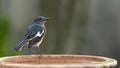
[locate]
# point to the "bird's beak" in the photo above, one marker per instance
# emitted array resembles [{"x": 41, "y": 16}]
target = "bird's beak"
[{"x": 46, "y": 18}]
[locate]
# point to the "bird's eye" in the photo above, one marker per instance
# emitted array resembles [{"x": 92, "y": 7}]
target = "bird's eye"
[{"x": 39, "y": 19}]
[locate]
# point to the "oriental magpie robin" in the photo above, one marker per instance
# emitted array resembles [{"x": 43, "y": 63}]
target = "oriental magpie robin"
[{"x": 34, "y": 34}]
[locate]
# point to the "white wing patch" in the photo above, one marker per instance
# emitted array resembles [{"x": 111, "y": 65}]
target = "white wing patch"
[{"x": 39, "y": 34}]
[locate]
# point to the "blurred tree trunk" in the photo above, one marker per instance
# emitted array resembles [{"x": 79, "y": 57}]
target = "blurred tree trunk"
[
  {"x": 76, "y": 39},
  {"x": 62, "y": 26}
]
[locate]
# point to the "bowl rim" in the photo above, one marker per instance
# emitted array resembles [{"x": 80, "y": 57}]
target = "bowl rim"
[{"x": 109, "y": 62}]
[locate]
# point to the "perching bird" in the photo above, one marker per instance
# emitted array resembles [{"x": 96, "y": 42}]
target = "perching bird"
[{"x": 34, "y": 34}]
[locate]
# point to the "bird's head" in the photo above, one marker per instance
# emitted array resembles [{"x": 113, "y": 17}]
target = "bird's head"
[{"x": 40, "y": 19}]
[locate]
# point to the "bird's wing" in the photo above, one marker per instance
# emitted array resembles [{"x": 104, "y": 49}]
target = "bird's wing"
[
  {"x": 37, "y": 39},
  {"x": 34, "y": 31}
]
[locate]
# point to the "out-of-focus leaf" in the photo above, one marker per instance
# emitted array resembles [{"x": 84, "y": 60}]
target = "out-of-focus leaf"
[{"x": 4, "y": 35}]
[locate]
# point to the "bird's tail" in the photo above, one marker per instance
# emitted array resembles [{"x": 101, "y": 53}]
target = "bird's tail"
[{"x": 21, "y": 45}]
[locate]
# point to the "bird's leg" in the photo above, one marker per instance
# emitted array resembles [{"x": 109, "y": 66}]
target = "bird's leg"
[
  {"x": 40, "y": 51},
  {"x": 31, "y": 51}
]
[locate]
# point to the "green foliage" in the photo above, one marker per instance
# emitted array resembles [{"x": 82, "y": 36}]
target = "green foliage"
[{"x": 4, "y": 35}]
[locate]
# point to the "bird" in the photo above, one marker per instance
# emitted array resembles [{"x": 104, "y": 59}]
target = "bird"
[{"x": 35, "y": 34}]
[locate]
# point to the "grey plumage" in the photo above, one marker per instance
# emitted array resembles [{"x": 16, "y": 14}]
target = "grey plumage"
[{"x": 34, "y": 34}]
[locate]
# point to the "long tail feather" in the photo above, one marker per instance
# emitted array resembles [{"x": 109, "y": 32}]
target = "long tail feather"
[{"x": 21, "y": 45}]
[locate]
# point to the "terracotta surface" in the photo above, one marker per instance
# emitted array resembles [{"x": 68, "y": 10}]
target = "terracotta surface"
[{"x": 37, "y": 61}]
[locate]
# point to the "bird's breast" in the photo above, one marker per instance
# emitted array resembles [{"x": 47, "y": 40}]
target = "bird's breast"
[{"x": 38, "y": 43}]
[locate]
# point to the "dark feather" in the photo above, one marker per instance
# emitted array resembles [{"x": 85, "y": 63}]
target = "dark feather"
[
  {"x": 36, "y": 39},
  {"x": 21, "y": 45},
  {"x": 32, "y": 31}
]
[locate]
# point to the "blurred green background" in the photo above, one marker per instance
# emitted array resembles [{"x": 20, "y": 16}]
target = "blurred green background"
[{"x": 89, "y": 27}]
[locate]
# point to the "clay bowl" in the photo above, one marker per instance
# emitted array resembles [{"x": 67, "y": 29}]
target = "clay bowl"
[{"x": 54, "y": 61}]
